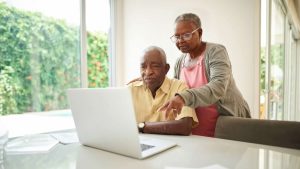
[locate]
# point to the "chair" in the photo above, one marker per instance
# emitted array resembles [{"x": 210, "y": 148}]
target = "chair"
[{"x": 268, "y": 132}]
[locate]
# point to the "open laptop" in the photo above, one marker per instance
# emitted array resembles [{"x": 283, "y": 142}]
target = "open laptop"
[{"x": 105, "y": 119}]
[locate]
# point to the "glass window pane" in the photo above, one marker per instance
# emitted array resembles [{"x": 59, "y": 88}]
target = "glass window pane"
[
  {"x": 39, "y": 54},
  {"x": 97, "y": 25},
  {"x": 276, "y": 62},
  {"x": 263, "y": 65},
  {"x": 291, "y": 80}
]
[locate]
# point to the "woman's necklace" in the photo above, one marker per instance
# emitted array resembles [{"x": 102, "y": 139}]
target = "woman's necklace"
[{"x": 191, "y": 62}]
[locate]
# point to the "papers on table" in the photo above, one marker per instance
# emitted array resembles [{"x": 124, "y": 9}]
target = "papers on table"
[
  {"x": 66, "y": 138},
  {"x": 38, "y": 143}
]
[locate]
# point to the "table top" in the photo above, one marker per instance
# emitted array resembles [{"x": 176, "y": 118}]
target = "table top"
[{"x": 191, "y": 152}]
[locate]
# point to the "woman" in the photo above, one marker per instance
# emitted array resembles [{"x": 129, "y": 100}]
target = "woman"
[{"x": 206, "y": 69}]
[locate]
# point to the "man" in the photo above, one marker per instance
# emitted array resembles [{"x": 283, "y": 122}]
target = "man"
[{"x": 153, "y": 91}]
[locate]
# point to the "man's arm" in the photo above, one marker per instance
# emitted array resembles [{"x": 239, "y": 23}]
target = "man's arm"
[{"x": 177, "y": 127}]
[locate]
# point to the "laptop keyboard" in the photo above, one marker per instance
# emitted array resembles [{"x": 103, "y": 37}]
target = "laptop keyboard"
[{"x": 145, "y": 147}]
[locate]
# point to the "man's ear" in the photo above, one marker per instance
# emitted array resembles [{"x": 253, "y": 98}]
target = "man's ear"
[{"x": 167, "y": 68}]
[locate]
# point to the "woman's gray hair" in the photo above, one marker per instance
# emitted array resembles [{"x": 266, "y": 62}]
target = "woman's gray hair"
[{"x": 190, "y": 17}]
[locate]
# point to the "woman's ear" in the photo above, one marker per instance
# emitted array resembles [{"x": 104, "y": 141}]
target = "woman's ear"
[{"x": 200, "y": 32}]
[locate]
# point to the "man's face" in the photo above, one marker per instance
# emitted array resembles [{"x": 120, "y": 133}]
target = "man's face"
[
  {"x": 183, "y": 27},
  {"x": 153, "y": 69}
]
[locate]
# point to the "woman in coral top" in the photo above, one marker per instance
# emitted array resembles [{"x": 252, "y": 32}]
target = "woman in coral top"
[{"x": 206, "y": 69}]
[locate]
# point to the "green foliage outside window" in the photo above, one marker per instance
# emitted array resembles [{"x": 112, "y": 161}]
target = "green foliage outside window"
[
  {"x": 39, "y": 60},
  {"x": 7, "y": 89},
  {"x": 262, "y": 70},
  {"x": 97, "y": 60}
]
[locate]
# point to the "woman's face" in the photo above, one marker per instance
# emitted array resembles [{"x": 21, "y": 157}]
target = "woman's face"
[{"x": 184, "y": 28}]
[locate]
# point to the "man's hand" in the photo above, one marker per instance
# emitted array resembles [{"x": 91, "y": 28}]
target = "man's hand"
[{"x": 173, "y": 106}]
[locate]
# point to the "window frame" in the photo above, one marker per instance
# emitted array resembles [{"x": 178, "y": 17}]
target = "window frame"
[
  {"x": 83, "y": 46},
  {"x": 111, "y": 44}
]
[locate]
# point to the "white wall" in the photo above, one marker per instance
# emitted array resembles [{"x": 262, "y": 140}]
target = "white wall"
[{"x": 233, "y": 23}]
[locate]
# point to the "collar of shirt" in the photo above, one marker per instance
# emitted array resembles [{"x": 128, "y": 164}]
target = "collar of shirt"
[{"x": 165, "y": 87}]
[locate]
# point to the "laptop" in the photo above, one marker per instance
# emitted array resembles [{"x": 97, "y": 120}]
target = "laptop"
[{"x": 105, "y": 119}]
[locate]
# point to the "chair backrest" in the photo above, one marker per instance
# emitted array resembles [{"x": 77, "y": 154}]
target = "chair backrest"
[{"x": 268, "y": 132}]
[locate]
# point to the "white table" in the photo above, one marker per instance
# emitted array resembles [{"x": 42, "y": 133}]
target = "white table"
[{"x": 191, "y": 152}]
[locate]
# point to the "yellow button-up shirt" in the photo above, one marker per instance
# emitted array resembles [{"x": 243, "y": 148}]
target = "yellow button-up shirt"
[{"x": 146, "y": 107}]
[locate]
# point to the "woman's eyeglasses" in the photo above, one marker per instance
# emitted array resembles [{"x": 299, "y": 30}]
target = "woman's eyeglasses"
[{"x": 185, "y": 37}]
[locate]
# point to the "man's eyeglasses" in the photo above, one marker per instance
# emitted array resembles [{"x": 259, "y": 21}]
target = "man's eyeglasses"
[{"x": 185, "y": 37}]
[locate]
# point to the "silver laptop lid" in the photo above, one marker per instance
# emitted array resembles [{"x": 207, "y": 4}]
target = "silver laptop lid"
[{"x": 105, "y": 119}]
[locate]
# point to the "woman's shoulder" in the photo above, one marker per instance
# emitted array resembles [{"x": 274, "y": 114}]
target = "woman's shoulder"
[
  {"x": 210, "y": 45},
  {"x": 215, "y": 50}
]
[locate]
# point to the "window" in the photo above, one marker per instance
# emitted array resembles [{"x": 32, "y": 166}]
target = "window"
[
  {"x": 263, "y": 61},
  {"x": 40, "y": 52},
  {"x": 97, "y": 26},
  {"x": 278, "y": 63},
  {"x": 291, "y": 72},
  {"x": 276, "y": 58}
]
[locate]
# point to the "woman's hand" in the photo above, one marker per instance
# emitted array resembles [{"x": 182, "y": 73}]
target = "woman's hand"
[{"x": 173, "y": 106}]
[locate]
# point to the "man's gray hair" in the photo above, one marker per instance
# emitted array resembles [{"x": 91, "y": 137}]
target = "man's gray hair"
[
  {"x": 190, "y": 17},
  {"x": 158, "y": 49}
]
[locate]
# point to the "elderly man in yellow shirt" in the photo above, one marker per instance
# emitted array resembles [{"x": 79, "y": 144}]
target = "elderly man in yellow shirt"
[{"x": 152, "y": 91}]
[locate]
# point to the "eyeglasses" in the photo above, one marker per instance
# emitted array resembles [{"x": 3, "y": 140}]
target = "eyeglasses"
[{"x": 185, "y": 37}]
